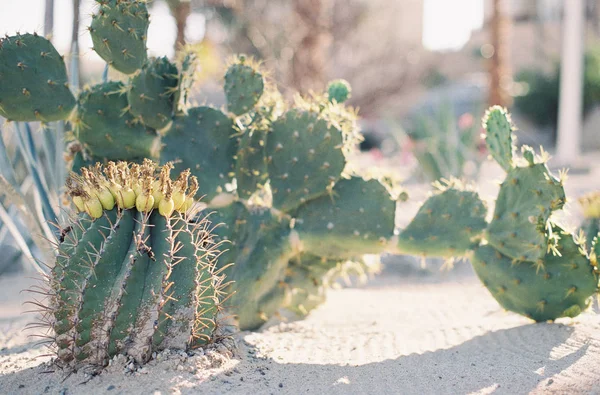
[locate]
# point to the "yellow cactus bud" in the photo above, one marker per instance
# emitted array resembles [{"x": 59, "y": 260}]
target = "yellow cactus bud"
[
  {"x": 126, "y": 198},
  {"x": 187, "y": 204},
  {"x": 78, "y": 201},
  {"x": 166, "y": 207},
  {"x": 93, "y": 207},
  {"x": 106, "y": 198},
  {"x": 157, "y": 193},
  {"x": 144, "y": 203},
  {"x": 178, "y": 199}
]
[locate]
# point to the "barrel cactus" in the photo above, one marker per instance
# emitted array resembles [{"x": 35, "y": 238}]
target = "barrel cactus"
[{"x": 133, "y": 274}]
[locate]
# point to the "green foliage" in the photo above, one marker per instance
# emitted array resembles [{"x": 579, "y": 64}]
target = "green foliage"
[
  {"x": 33, "y": 80},
  {"x": 540, "y": 101},
  {"x": 118, "y": 31},
  {"x": 444, "y": 146}
]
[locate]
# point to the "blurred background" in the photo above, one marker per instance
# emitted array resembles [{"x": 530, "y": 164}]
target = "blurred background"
[{"x": 422, "y": 71}]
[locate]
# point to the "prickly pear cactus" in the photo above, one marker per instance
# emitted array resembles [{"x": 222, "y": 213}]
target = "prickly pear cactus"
[
  {"x": 531, "y": 265},
  {"x": 590, "y": 204},
  {"x": 132, "y": 228},
  {"x": 203, "y": 140},
  {"x": 244, "y": 85},
  {"x": 107, "y": 128},
  {"x": 118, "y": 30},
  {"x": 152, "y": 93},
  {"x": 553, "y": 287},
  {"x": 449, "y": 224},
  {"x": 33, "y": 80},
  {"x": 339, "y": 91}
]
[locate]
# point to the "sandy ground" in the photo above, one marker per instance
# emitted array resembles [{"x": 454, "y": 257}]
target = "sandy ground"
[{"x": 408, "y": 331}]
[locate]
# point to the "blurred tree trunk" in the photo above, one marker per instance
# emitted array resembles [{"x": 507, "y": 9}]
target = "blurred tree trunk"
[
  {"x": 310, "y": 57},
  {"x": 49, "y": 18},
  {"x": 499, "y": 66},
  {"x": 180, "y": 9}
]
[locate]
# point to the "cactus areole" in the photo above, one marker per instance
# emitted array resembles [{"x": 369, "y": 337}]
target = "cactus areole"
[{"x": 133, "y": 274}]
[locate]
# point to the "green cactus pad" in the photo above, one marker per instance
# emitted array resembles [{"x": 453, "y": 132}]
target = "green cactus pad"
[
  {"x": 244, "y": 86},
  {"x": 251, "y": 164},
  {"x": 132, "y": 282},
  {"x": 118, "y": 31},
  {"x": 186, "y": 80},
  {"x": 108, "y": 129},
  {"x": 33, "y": 80},
  {"x": 499, "y": 137},
  {"x": 356, "y": 218},
  {"x": 339, "y": 91},
  {"x": 304, "y": 157},
  {"x": 526, "y": 200},
  {"x": 204, "y": 141},
  {"x": 304, "y": 283},
  {"x": 259, "y": 269},
  {"x": 560, "y": 287},
  {"x": 152, "y": 93},
  {"x": 448, "y": 224}
]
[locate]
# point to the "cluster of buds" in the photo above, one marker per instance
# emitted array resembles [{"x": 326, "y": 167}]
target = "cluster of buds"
[
  {"x": 591, "y": 205},
  {"x": 145, "y": 187}
]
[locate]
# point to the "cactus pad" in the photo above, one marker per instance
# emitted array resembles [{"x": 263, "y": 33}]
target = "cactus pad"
[
  {"x": 304, "y": 157},
  {"x": 525, "y": 202},
  {"x": 203, "y": 140},
  {"x": 339, "y": 91},
  {"x": 356, "y": 218},
  {"x": 33, "y": 80},
  {"x": 556, "y": 286},
  {"x": 106, "y": 127},
  {"x": 118, "y": 31},
  {"x": 152, "y": 93},
  {"x": 448, "y": 224},
  {"x": 499, "y": 136},
  {"x": 251, "y": 164},
  {"x": 244, "y": 86}
]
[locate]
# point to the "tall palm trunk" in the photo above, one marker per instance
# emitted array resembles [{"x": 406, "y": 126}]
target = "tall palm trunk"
[
  {"x": 180, "y": 9},
  {"x": 499, "y": 66},
  {"x": 310, "y": 58}
]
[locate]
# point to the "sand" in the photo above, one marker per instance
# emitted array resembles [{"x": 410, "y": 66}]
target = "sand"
[{"x": 408, "y": 331}]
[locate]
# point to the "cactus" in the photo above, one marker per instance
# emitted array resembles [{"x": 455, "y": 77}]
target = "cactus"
[
  {"x": 339, "y": 91},
  {"x": 590, "y": 203},
  {"x": 450, "y": 223},
  {"x": 118, "y": 31},
  {"x": 107, "y": 129},
  {"x": 557, "y": 286},
  {"x": 33, "y": 80},
  {"x": 530, "y": 264},
  {"x": 118, "y": 242},
  {"x": 152, "y": 93}
]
